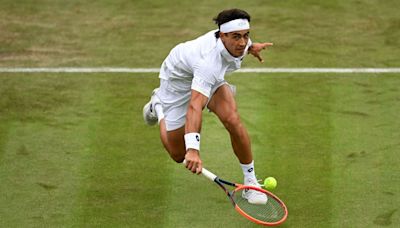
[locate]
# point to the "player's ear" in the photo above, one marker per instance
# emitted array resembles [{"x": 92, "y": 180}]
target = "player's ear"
[{"x": 222, "y": 36}]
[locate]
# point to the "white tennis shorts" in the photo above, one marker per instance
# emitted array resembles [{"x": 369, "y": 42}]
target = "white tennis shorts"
[{"x": 175, "y": 103}]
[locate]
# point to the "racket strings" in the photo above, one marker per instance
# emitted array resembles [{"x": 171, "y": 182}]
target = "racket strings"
[{"x": 270, "y": 212}]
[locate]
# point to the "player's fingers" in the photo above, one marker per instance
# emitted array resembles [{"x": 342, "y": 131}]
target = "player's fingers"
[
  {"x": 265, "y": 45},
  {"x": 193, "y": 169},
  {"x": 199, "y": 168},
  {"x": 192, "y": 166},
  {"x": 196, "y": 167},
  {"x": 189, "y": 165}
]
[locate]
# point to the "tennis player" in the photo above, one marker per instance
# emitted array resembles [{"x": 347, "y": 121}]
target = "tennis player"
[{"x": 192, "y": 77}]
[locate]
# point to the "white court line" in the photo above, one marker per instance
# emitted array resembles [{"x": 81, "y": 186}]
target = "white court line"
[
  {"x": 156, "y": 70},
  {"x": 77, "y": 70},
  {"x": 319, "y": 70}
]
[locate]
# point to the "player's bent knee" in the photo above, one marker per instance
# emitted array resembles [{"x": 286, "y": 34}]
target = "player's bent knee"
[{"x": 231, "y": 121}]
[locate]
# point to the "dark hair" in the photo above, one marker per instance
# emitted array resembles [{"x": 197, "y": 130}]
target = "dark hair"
[{"x": 229, "y": 15}]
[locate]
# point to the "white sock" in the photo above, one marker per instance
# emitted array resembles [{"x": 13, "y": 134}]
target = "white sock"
[
  {"x": 159, "y": 112},
  {"x": 248, "y": 171}
]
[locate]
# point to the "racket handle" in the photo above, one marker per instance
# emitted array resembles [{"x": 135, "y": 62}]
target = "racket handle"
[
  {"x": 208, "y": 174},
  {"x": 205, "y": 172}
]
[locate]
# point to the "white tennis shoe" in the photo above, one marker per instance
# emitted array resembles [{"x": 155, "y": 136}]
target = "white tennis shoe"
[
  {"x": 149, "y": 112},
  {"x": 252, "y": 196}
]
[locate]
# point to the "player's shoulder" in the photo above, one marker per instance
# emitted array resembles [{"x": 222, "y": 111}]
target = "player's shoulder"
[
  {"x": 204, "y": 43},
  {"x": 209, "y": 41},
  {"x": 209, "y": 36}
]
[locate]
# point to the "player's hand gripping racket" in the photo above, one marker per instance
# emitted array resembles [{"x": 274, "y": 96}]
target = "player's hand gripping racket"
[{"x": 272, "y": 213}]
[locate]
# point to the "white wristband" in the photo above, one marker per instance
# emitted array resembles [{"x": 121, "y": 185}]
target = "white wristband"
[{"x": 192, "y": 141}]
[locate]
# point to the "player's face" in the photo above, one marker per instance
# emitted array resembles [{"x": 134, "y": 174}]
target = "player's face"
[{"x": 235, "y": 42}]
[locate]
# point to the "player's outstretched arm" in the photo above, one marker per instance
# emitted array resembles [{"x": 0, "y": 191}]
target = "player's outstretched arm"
[
  {"x": 193, "y": 125},
  {"x": 256, "y": 48}
]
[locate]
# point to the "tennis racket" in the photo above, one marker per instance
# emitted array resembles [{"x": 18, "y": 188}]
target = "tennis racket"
[{"x": 273, "y": 213}]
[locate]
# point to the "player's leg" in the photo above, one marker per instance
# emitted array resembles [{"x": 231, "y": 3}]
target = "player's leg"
[
  {"x": 163, "y": 134},
  {"x": 223, "y": 104},
  {"x": 173, "y": 142},
  {"x": 171, "y": 123}
]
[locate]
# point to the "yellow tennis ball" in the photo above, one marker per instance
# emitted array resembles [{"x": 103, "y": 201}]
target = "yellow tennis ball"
[{"x": 270, "y": 183}]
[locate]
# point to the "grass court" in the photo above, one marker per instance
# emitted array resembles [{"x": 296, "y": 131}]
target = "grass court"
[{"x": 74, "y": 151}]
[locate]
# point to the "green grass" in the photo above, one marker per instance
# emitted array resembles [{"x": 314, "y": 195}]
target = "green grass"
[
  {"x": 306, "y": 33},
  {"x": 74, "y": 151}
]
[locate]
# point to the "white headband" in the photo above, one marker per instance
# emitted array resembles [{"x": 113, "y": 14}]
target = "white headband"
[{"x": 234, "y": 25}]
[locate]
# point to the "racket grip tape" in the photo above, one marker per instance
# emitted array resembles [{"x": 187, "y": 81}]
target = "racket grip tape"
[{"x": 208, "y": 174}]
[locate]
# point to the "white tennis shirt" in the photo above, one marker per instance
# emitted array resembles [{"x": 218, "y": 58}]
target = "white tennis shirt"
[{"x": 199, "y": 64}]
